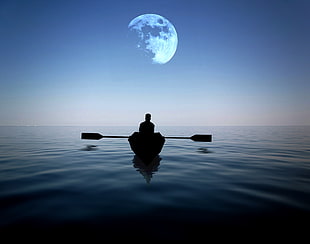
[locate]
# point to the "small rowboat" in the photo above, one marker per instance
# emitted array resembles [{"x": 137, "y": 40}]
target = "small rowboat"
[{"x": 146, "y": 147}]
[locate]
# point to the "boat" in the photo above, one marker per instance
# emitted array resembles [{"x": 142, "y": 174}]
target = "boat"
[{"x": 146, "y": 146}]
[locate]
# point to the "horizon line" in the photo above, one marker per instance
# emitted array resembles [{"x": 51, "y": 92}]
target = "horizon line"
[{"x": 232, "y": 125}]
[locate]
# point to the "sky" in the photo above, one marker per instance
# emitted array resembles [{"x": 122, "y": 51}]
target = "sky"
[{"x": 238, "y": 62}]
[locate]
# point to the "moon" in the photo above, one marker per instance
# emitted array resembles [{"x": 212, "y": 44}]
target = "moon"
[{"x": 157, "y": 37}]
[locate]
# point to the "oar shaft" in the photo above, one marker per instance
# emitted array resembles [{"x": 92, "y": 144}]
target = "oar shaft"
[
  {"x": 177, "y": 137},
  {"x": 115, "y": 136}
]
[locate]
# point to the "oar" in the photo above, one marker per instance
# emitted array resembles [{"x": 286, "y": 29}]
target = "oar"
[
  {"x": 97, "y": 136},
  {"x": 203, "y": 138}
]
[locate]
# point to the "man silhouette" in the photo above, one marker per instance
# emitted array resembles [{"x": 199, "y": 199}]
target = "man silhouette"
[{"x": 147, "y": 127}]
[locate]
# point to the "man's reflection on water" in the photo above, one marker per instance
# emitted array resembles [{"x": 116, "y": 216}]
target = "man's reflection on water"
[{"x": 147, "y": 170}]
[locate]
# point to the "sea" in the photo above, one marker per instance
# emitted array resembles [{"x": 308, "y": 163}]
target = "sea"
[{"x": 249, "y": 182}]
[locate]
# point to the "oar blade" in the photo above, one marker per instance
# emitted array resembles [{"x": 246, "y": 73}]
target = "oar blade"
[
  {"x": 91, "y": 136},
  {"x": 203, "y": 138}
]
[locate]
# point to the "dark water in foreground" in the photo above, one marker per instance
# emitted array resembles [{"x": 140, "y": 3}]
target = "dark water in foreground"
[{"x": 248, "y": 180}]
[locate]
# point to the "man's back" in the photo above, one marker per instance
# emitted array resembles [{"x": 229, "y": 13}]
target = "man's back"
[{"x": 146, "y": 127}]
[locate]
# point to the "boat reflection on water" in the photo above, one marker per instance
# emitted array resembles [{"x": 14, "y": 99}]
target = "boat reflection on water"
[{"x": 146, "y": 169}]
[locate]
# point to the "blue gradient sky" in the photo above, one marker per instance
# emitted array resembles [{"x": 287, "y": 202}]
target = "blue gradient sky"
[{"x": 237, "y": 63}]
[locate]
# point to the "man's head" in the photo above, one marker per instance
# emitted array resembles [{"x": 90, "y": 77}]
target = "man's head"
[{"x": 147, "y": 117}]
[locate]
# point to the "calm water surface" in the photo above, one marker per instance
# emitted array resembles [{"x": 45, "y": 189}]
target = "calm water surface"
[{"x": 253, "y": 178}]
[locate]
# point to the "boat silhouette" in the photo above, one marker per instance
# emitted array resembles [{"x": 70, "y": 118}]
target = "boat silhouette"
[{"x": 146, "y": 146}]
